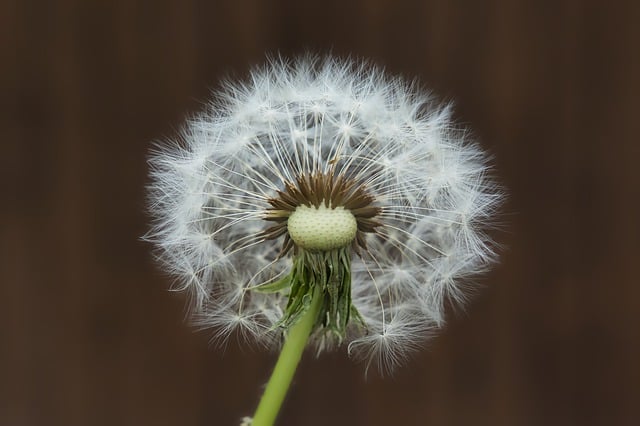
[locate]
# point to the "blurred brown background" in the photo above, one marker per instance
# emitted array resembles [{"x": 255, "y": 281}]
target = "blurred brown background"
[{"x": 89, "y": 334}]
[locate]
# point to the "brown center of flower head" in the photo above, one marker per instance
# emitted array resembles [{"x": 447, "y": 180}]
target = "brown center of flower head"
[{"x": 322, "y": 192}]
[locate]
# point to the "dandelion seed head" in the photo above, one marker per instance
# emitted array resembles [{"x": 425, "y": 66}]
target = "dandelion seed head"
[{"x": 330, "y": 156}]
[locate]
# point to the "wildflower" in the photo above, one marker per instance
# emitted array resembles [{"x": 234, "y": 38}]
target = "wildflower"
[{"x": 324, "y": 180}]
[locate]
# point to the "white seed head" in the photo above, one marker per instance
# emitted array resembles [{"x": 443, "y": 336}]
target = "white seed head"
[
  {"x": 322, "y": 228},
  {"x": 420, "y": 201}
]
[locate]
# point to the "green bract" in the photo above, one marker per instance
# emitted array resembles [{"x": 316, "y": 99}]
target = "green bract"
[{"x": 330, "y": 272}]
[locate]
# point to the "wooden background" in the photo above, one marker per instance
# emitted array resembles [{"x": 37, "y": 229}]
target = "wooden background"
[{"x": 90, "y": 336}]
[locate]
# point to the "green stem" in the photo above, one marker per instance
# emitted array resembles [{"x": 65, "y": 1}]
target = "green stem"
[{"x": 285, "y": 368}]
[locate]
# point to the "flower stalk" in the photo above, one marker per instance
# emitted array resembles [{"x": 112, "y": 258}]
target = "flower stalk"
[{"x": 287, "y": 363}]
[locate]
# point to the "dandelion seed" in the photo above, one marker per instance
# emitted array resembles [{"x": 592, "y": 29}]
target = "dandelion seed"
[{"x": 327, "y": 176}]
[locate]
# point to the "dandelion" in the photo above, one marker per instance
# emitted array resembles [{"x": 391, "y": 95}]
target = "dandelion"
[{"x": 322, "y": 199}]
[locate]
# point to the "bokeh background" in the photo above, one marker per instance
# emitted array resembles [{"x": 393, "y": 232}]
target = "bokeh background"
[{"x": 89, "y": 334}]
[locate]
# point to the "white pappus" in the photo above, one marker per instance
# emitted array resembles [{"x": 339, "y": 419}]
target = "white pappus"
[{"x": 336, "y": 139}]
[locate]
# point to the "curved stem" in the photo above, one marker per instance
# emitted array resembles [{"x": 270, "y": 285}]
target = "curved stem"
[{"x": 287, "y": 363}]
